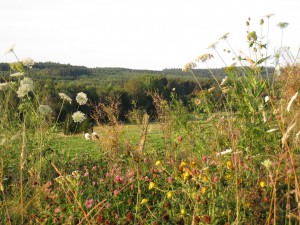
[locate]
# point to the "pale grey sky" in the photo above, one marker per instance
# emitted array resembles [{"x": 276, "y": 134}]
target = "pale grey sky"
[{"x": 138, "y": 34}]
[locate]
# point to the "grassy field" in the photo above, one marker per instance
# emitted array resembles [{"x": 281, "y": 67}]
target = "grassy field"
[{"x": 73, "y": 145}]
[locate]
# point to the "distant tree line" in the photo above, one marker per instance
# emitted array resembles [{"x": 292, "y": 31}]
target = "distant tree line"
[{"x": 99, "y": 83}]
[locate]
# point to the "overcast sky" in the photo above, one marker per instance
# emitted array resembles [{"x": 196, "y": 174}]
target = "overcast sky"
[{"x": 138, "y": 34}]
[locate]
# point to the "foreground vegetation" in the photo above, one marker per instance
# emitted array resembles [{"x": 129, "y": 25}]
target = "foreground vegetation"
[{"x": 229, "y": 156}]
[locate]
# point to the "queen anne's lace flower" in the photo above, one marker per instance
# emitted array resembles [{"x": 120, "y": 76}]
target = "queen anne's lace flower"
[
  {"x": 3, "y": 86},
  {"x": 28, "y": 62},
  {"x": 204, "y": 57},
  {"x": 45, "y": 109},
  {"x": 78, "y": 117},
  {"x": 81, "y": 98},
  {"x": 189, "y": 66},
  {"x": 65, "y": 97},
  {"x": 10, "y": 49},
  {"x": 26, "y": 86}
]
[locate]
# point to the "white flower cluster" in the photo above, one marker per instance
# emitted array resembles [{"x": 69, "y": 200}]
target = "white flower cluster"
[
  {"x": 3, "y": 86},
  {"x": 18, "y": 74},
  {"x": 189, "y": 66},
  {"x": 26, "y": 86},
  {"x": 45, "y": 109},
  {"x": 204, "y": 57},
  {"x": 10, "y": 49},
  {"x": 65, "y": 97},
  {"x": 81, "y": 98},
  {"x": 28, "y": 62},
  {"x": 78, "y": 117}
]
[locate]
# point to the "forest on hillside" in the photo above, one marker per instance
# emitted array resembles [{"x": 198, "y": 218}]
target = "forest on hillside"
[{"x": 132, "y": 88}]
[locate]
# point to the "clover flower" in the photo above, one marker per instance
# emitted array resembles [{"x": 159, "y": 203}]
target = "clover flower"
[
  {"x": 81, "y": 98},
  {"x": 26, "y": 86},
  {"x": 89, "y": 203},
  {"x": 28, "y": 62},
  {"x": 18, "y": 74},
  {"x": 65, "y": 97},
  {"x": 189, "y": 66},
  {"x": 204, "y": 57},
  {"x": 78, "y": 117},
  {"x": 44, "y": 109}
]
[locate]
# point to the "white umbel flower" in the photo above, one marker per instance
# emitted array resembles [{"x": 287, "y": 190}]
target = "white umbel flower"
[
  {"x": 28, "y": 62},
  {"x": 10, "y": 49},
  {"x": 3, "y": 86},
  {"x": 25, "y": 87},
  {"x": 78, "y": 117},
  {"x": 65, "y": 97},
  {"x": 44, "y": 109},
  {"x": 81, "y": 98}
]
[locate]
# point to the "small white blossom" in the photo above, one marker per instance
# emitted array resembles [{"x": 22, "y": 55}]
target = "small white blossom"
[
  {"x": 10, "y": 49},
  {"x": 277, "y": 71},
  {"x": 3, "y": 86},
  {"x": 18, "y": 74},
  {"x": 45, "y": 109},
  {"x": 189, "y": 66},
  {"x": 81, "y": 98},
  {"x": 227, "y": 151},
  {"x": 204, "y": 57},
  {"x": 65, "y": 97},
  {"x": 78, "y": 117},
  {"x": 25, "y": 87},
  {"x": 267, "y": 98}
]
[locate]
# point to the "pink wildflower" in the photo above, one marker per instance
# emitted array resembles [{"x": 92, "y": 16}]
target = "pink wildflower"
[{"x": 89, "y": 203}]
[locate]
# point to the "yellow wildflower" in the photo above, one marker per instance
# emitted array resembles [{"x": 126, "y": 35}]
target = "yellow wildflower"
[
  {"x": 152, "y": 185},
  {"x": 229, "y": 165},
  {"x": 144, "y": 201},
  {"x": 262, "y": 184},
  {"x": 170, "y": 194},
  {"x": 204, "y": 179},
  {"x": 203, "y": 190},
  {"x": 157, "y": 163},
  {"x": 182, "y": 211},
  {"x": 186, "y": 175},
  {"x": 183, "y": 164},
  {"x": 193, "y": 163},
  {"x": 228, "y": 176}
]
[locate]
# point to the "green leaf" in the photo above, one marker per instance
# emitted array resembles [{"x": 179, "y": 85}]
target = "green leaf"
[{"x": 262, "y": 60}]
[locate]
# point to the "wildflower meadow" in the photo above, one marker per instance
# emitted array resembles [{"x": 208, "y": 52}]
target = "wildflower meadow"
[{"x": 233, "y": 159}]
